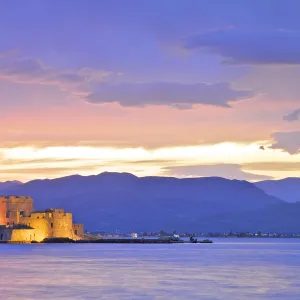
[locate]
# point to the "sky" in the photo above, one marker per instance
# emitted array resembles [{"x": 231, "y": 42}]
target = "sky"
[{"x": 166, "y": 88}]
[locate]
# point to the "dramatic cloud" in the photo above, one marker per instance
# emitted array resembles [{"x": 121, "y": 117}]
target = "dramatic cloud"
[
  {"x": 273, "y": 166},
  {"x": 275, "y": 83},
  {"x": 60, "y": 60},
  {"x": 287, "y": 141},
  {"x": 230, "y": 171},
  {"x": 294, "y": 116},
  {"x": 89, "y": 84},
  {"x": 250, "y": 46},
  {"x": 173, "y": 94},
  {"x": 40, "y": 172},
  {"x": 33, "y": 71}
]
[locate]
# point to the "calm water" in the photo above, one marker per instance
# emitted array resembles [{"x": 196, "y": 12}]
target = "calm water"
[{"x": 229, "y": 269}]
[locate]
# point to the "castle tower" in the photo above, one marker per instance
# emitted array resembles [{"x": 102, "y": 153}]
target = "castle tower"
[
  {"x": 15, "y": 207},
  {"x": 3, "y": 210}
]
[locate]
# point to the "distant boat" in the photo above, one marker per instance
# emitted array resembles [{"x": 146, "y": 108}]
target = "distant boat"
[
  {"x": 207, "y": 241},
  {"x": 195, "y": 241}
]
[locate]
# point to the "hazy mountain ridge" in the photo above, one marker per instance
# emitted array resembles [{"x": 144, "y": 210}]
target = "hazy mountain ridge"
[
  {"x": 287, "y": 189},
  {"x": 121, "y": 200},
  {"x": 9, "y": 184}
]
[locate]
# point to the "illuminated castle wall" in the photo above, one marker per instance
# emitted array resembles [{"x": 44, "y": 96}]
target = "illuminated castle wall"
[
  {"x": 12, "y": 207},
  {"x": 21, "y": 224},
  {"x": 3, "y": 209}
]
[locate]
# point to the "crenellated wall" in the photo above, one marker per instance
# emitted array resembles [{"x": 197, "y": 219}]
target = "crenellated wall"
[
  {"x": 40, "y": 223},
  {"x": 17, "y": 235},
  {"x": 62, "y": 225},
  {"x": 3, "y": 210},
  {"x": 54, "y": 223},
  {"x": 23, "y": 235},
  {"x": 18, "y": 222},
  {"x": 17, "y": 206},
  {"x": 78, "y": 230}
]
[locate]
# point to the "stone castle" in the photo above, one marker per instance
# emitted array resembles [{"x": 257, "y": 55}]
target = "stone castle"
[{"x": 18, "y": 222}]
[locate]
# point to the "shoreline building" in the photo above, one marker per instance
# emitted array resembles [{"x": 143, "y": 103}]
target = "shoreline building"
[{"x": 19, "y": 223}]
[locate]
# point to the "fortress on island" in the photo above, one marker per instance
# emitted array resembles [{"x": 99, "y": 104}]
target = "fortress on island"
[{"x": 19, "y": 223}]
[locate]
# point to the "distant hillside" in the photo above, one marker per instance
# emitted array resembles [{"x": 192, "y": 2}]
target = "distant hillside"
[
  {"x": 9, "y": 184},
  {"x": 121, "y": 200},
  {"x": 286, "y": 189}
]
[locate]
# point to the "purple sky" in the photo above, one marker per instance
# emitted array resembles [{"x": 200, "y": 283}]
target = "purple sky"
[{"x": 184, "y": 88}]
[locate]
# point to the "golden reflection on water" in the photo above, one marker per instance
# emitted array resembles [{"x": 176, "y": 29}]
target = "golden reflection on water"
[{"x": 264, "y": 270}]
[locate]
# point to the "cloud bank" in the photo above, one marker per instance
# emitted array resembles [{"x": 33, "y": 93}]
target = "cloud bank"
[
  {"x": 89, "y": 84},
  {"x": 287, "y": 141},
  {"x": 172, "y": 94},
  {"x": 229, "y": 171},
  {"x": 272, "y": 166},
  {"x": 33, "y": 71},
  {"x": 249, "y": 46},
  {"x": 294, "y": 116}
]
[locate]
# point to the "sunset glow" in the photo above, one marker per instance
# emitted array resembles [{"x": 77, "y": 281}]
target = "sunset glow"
[
  {"x": 150, "y": 100},
  {"x": 26, "y": 163}
]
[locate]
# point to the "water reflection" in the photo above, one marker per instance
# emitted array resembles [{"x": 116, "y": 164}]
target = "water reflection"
[{"x": 224, "y": 270}]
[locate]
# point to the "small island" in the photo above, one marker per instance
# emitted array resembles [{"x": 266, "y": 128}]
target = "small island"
[{"x": 19, "y": 223}]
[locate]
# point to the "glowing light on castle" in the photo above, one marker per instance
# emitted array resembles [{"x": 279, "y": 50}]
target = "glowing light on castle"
[{"x": 19, "y": 223}]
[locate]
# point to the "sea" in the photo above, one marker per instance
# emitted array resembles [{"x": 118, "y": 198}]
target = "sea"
[{"x": 250, "y": 268}]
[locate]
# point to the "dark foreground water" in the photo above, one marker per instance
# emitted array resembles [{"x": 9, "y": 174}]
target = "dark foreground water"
[{"x": 228, "y": 269}]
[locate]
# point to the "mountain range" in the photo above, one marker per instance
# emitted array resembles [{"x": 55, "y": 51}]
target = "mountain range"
[
  {"x": 111, "y": 201},
  {"x": 9, "y": 184},
  {"x": 287, "y": 189}
]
